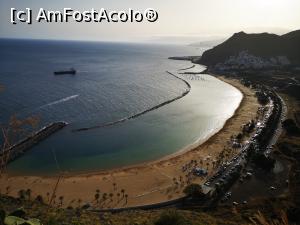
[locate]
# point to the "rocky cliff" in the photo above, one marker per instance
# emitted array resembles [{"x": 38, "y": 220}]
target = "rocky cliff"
[{"x": 264, "y": 50}]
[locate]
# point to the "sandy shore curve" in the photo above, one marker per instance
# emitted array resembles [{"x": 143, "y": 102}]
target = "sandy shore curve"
[{"x": 147, "y": 183}]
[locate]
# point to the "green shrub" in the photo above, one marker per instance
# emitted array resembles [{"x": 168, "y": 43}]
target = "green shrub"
[
  {"x": 172, "y": 217},
  {"x": 194, "y": 190}
]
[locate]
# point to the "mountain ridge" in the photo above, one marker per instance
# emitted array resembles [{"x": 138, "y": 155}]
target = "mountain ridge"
[{"x": 262, "y": 45}]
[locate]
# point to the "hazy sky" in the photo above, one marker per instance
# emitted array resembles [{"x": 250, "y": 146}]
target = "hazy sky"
[{"x": 178, "y": 20}]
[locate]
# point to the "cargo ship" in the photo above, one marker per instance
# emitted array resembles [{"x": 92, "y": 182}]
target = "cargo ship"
[{"x": 63, "y": 72}]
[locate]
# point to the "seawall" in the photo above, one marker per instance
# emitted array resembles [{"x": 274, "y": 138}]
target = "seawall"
[{"x": 17, "y": 150}]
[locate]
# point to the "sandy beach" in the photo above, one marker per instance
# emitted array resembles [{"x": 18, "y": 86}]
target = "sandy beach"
[{"x": 147, "y": 183}]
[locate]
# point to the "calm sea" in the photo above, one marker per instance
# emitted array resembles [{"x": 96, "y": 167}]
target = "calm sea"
[{"x": 113, "y": 81}]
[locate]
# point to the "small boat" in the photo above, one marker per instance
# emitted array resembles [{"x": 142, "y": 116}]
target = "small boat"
[{"x": 71, "y": 71}]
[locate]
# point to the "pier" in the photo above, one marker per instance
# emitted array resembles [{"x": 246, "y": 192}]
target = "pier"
[{"x": 10, "y": 154}]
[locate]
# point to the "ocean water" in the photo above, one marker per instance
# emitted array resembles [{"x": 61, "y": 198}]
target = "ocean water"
[{"x": 114, "y": 80}]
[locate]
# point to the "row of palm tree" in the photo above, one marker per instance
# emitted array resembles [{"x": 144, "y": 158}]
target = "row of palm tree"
[
  {"x": 98, "y": 197},
  {"x": 25, "y": 194}
]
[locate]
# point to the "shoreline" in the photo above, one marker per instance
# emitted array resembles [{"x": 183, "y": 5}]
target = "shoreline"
[
  {"x": 198, "y": 143},
  {"x": 157, "y": 174}
]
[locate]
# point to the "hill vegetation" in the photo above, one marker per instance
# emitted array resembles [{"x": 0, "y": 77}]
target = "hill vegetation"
[
  {"x": 36, "y": 212},
  {"x": 263, "y": 45}
]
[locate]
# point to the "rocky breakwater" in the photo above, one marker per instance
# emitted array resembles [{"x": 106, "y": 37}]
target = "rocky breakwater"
[
  {"x": 10, "y": 154},
  {"x": 122, "y": 120}
]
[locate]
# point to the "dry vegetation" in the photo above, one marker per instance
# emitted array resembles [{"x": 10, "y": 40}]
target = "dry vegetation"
[
  {"x": 12, "y": 132},
  {"x": 271, "y": 213}
]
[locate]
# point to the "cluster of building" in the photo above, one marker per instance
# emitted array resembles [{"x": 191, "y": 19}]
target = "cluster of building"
[
  {"x": 244, "y": 60},
  {"x": 219, "y": 183}
]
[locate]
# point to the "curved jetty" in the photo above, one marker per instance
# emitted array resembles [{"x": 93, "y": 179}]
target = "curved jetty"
[
  {"x": 191, "y": 67},
  {"x": 24, "y": 145},
  {"x": 143, "y": 112}
]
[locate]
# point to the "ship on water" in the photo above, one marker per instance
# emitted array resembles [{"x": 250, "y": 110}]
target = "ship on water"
[{"x": 71, "y": 71}]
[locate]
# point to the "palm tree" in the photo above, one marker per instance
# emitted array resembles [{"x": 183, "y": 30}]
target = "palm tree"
[
  {"x": 79, "y": 202},
  {"x": 118, "y": 195},
  {"x": 7, "y": 189},
  {"x": 115, "y": 186},
  {"x": 39, "y": 198},
  {"x": 174, "y": 180},
  {"x": 28, "y": 193},
  {"x": 48, "y": 196},
  {"x": 54, "y": 197},
  {"x": 21, "y": 194},
  {"x": 123, "y": 192},
  {"x": 104, "y": 196},
  {"x": 201, "y": 162},
  {"x": 97, "y": 196},
  {"x": 71, "y": 202},
  {"x": 61, "y": 199},
  {"x": 126, "y": 197},
  {"x": 111, "y": 196}
]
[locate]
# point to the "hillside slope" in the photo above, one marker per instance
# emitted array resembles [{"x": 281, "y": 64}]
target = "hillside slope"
[{"x": 275, "y": 49}]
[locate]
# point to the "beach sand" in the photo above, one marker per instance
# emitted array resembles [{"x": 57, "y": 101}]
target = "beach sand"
[{"x": 147, "y": 183}]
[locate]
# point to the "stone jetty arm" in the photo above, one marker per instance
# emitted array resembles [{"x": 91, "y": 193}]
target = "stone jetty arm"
[
  {"x": 17, "y": 150},
  {"x": 143, "y": 112}
]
